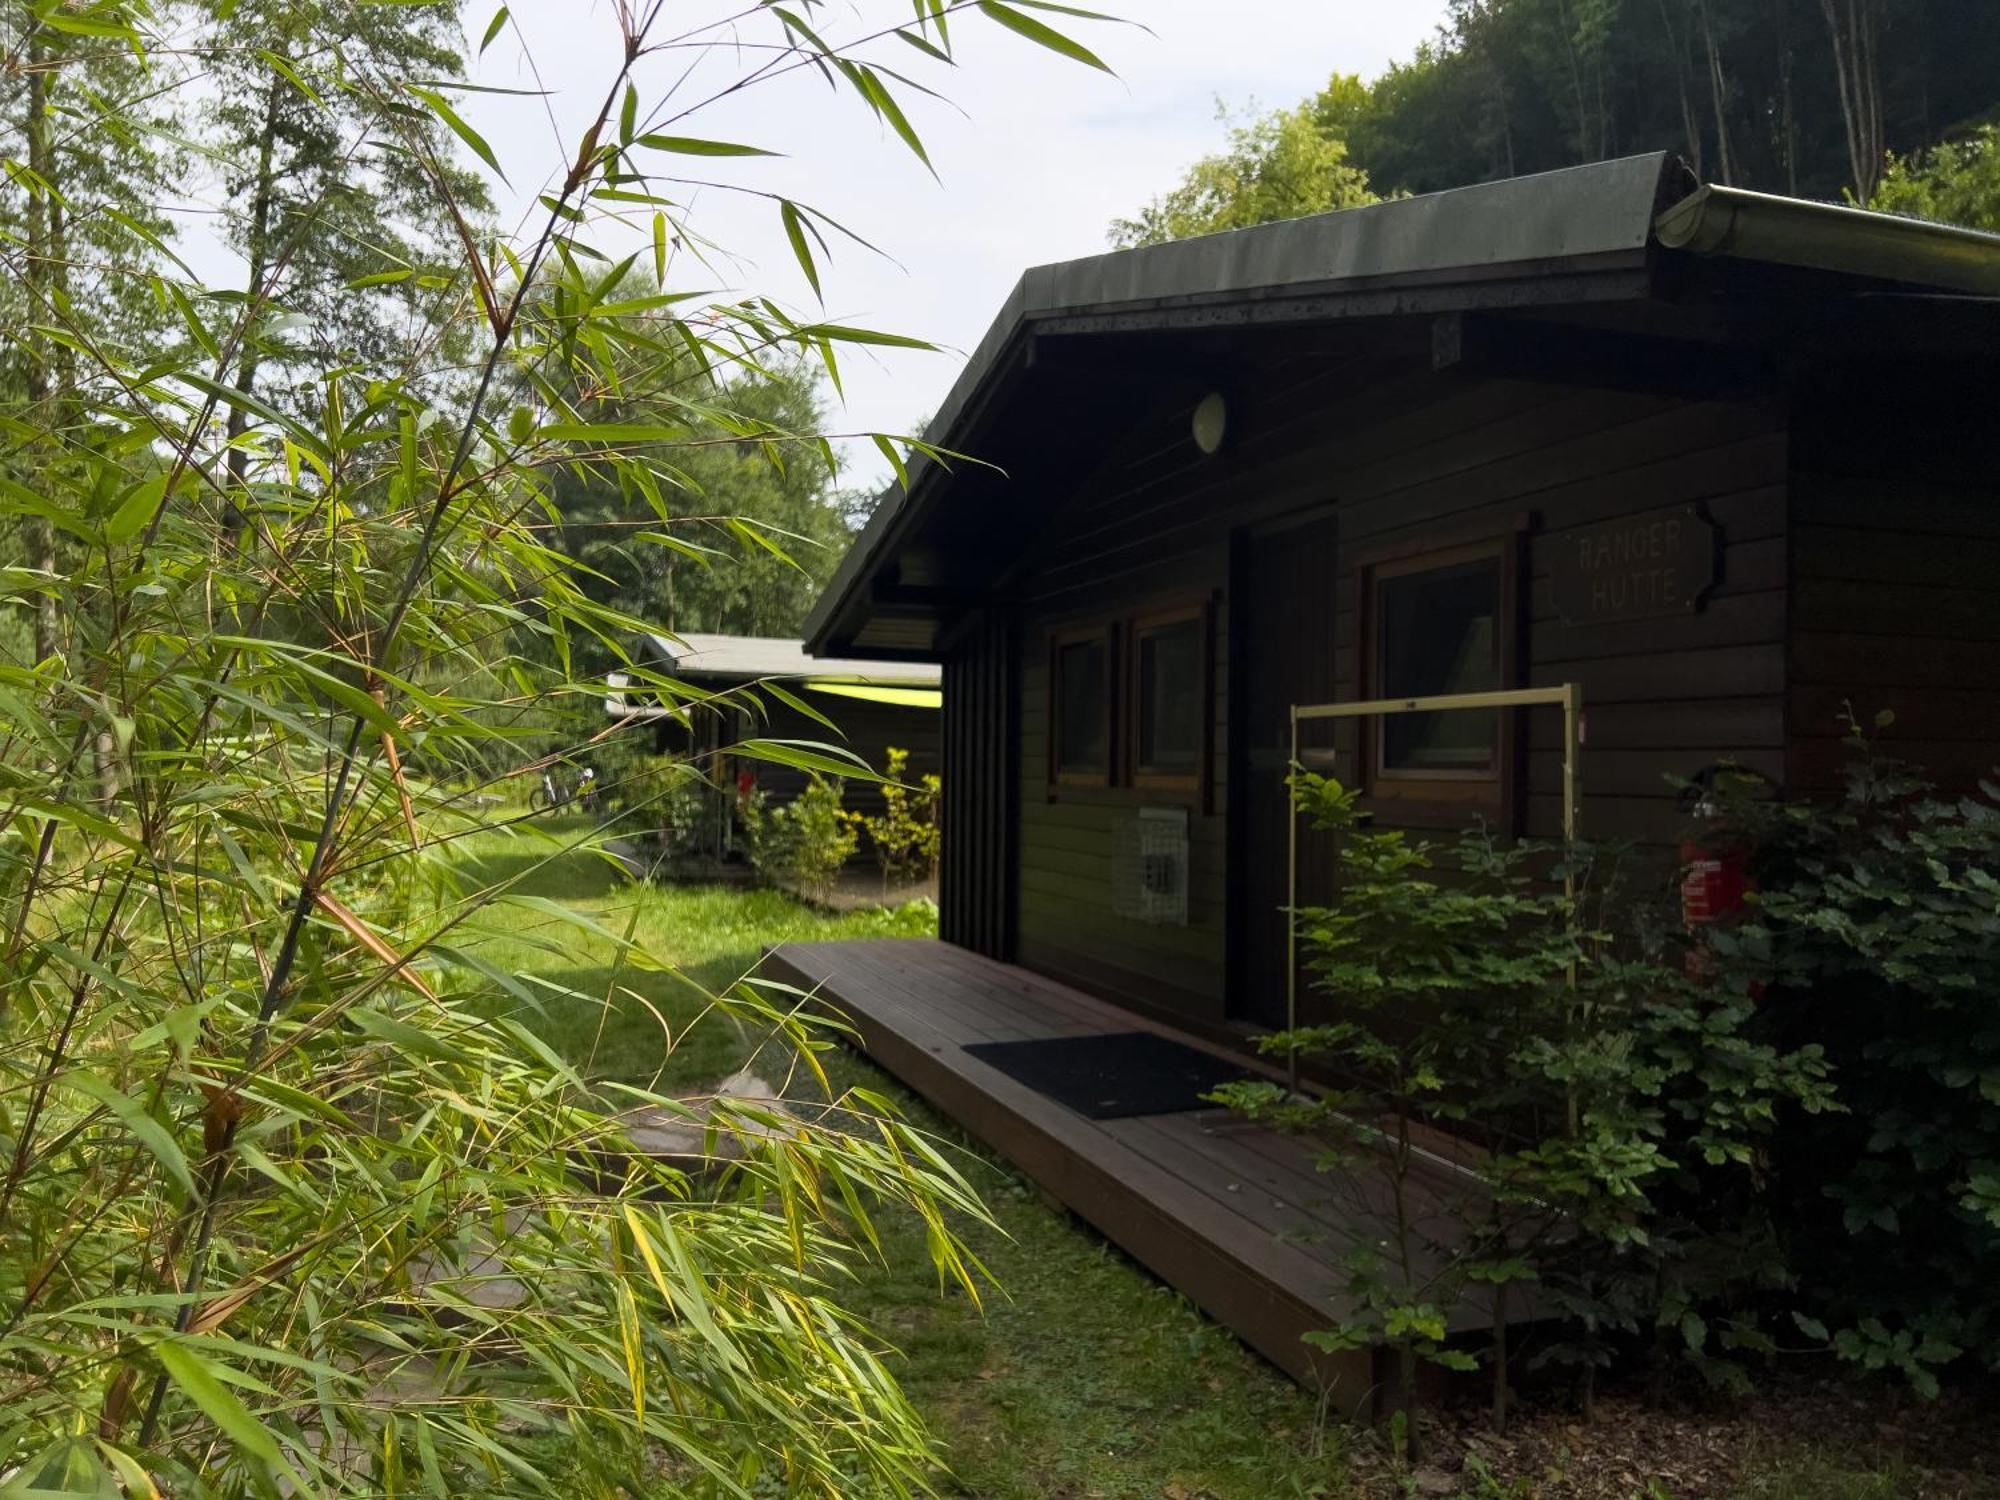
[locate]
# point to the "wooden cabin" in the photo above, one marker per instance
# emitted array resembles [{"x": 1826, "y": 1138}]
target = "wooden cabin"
[
  {"x": 1722, "y": 460},
  {"x": 873, "y": 706}
]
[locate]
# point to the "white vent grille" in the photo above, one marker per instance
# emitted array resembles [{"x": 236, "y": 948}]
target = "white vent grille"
[{"x": 1149, "y": 867}]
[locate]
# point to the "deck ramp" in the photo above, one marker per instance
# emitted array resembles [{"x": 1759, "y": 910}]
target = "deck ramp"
[{"x": 1234, "y": 1216}]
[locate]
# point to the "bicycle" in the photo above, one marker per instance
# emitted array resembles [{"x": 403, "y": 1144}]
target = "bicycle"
[{"x": 555, "y": 793}]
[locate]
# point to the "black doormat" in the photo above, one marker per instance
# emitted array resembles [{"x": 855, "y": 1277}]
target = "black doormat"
[{"x": 1110, "y": 1077}]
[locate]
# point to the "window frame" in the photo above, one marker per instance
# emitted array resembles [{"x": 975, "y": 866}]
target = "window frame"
[
  {"x": 1104, "y": 635},
  {"x": 1198, "y": 612},
  {"x": 1491, "y": 791}
]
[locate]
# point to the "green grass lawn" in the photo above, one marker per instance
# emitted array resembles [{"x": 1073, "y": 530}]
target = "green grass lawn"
[
  {"x": 1082, "y": 1378},
  {"x": 613, "y": 1020}
]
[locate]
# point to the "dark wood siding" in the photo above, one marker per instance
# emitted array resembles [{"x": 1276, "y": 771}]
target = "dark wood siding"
[
  {"x": 862, "y": 727},
  {"x": 1896, "y": 574},
  {"x": 1400, "y": 456},
  {"x": 976, "y": 878},
  {"x": 1287, "y": 624}
]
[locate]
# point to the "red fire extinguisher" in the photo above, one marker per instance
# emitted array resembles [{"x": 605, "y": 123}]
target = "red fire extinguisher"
[{"x": 1714, "y": 868}]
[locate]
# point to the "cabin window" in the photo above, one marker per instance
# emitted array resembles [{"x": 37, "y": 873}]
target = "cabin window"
[
  {"x": 1438, "y": 626},
  {"x": 1081, "y": 703},
  {"x": 1169, "y": 698},
  {"x": 1130, "y": 701}
]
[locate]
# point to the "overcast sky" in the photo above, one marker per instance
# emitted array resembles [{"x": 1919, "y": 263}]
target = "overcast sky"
[{"x": 1034, "y": 155}]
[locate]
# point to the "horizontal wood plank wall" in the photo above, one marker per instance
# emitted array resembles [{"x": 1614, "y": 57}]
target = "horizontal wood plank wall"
[
  {"x": 977, "y": 868},
  {"x": 1402, "y": 455},
  {"x": 1896, "y": 574}
]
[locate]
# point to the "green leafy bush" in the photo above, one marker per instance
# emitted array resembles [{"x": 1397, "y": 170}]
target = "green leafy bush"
[
  {"x": 905, "y": 836},
  {"x": 1875, "y": 927},
  {"x": 802, "y": 844},
  {"x": 1517, "y": 1096}
]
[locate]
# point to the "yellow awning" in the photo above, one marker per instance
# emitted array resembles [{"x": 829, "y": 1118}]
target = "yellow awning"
[{"x": 901, "y": 697}]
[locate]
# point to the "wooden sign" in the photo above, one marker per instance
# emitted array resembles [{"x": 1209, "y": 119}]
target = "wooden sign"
[{"x": 1659, "y": 562}]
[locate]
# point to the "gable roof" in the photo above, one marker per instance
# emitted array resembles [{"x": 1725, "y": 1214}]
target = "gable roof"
[{"x": 1579, "y": 234}]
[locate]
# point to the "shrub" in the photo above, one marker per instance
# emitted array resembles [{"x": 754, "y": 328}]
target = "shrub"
[
  {"x": 1875, "y": 926},
  {"x": 1618, "y": 1109},
  {"x": 802, "y": 844},
  {"x": 905, "y": 836}
]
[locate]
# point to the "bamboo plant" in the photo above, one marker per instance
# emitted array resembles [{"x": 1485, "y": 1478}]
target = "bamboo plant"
[{"x": 292, "y": 1199}]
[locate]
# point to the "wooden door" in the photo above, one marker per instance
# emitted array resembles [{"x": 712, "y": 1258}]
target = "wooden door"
[{"x": 1284, "y": 620}]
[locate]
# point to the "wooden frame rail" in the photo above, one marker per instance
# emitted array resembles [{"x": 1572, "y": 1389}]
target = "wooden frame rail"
[{"x": 1568, "y": 697}]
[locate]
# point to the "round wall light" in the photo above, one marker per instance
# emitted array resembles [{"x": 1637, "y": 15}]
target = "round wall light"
[{"x": 1210, "y": 422}]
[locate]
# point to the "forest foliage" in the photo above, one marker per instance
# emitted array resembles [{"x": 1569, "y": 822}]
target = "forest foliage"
[{"x": 1830, "y": 99}]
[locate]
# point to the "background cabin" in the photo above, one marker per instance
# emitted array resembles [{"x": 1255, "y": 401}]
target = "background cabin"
[
  {"x": 1722, "y": 459},
  {"x": 874, "y": 705}
]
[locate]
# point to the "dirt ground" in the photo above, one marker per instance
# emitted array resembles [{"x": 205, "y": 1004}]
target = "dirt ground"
[{"x": 1806, "y": 1440}]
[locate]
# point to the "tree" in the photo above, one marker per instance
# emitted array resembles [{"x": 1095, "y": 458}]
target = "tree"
[
  {"x": 1794, "y": 96},
  {"x": 1854, "y": 33},
  {"x": 331, "y": 168},
  {"x": 1957, "y": 182},
  {"x": 87, "y": 154},
  {"x": 1278, "y": 166},
  {"x": 755, "y": 525}
]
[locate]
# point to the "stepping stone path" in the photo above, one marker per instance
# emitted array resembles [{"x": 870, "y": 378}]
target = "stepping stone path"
[
  {"x": 676, "y": 1138},
  {"x": 682, "y": 1139}
]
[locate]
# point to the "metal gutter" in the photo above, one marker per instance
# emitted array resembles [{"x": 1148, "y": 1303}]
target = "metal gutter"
[{"x": 1744, "y": 225}]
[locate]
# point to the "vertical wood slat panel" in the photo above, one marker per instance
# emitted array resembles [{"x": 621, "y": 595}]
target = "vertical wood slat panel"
[{"x": 975, "y": 897}]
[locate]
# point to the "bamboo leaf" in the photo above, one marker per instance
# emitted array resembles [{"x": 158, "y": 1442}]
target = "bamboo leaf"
[
  {"x": 788, "y": 213},
  {"x": 687, "y": 145},
  {"x": 375, "y": 943},
  {"x": 841, "y": 333},
  {"x": 799, "y": 705},
  {"x": 493, "y": 28},
  {"x": 441, "y": 107},
  {"x": 136, "y": 510},
  {"x": 292, "y": 74},
  {"x": 807, "y": 755},
  {"x": 1040, "y": 33},
  {"x": 148, "y": 1131},
  {"x": 197, "y": 1379}
]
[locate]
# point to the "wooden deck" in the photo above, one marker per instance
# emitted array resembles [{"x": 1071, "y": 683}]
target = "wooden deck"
[{"x": 1234, "y": 1216}]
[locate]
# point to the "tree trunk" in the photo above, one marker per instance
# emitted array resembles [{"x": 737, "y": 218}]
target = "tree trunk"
[
  {"x": 259, "y": 247},
  {"x": 1718, "y": 90},
  {"x": 41, "y": 277},
  {"x": 1788, "y": 130},
  {"x": 1853, "y": 27},
  {"x": 1690, "y": 126}
]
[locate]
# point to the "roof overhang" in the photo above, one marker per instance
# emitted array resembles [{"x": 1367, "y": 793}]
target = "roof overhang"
[
  {"x": 1449, "y": 251},
  {"x": 719, "y": 664},
  {"x": 1595, "y": 235},
  {"x": 706, "y": 657}
]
